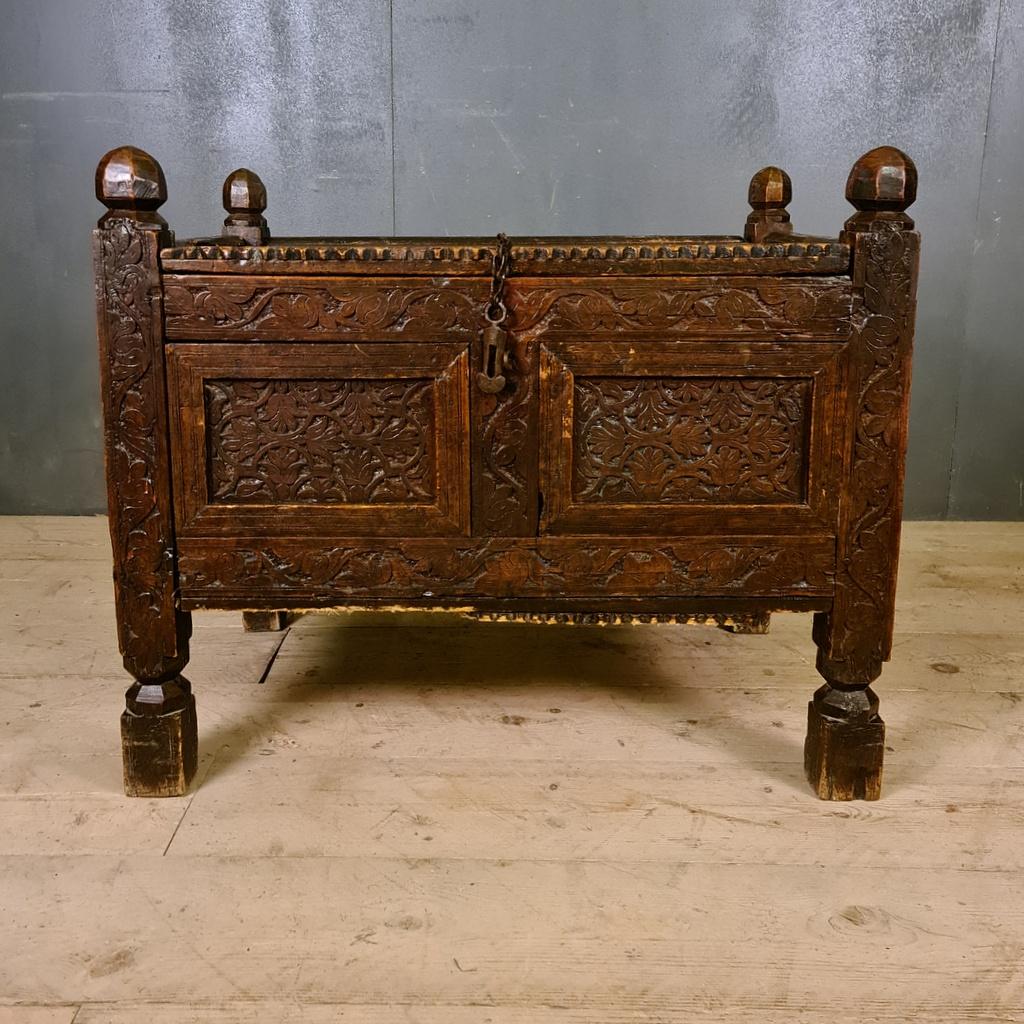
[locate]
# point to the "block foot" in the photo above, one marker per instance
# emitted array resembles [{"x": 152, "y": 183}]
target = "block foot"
[
  {"x": 264, "y": 622},
  {"x": 845, "y": 744},
  {"x": 159, "y": 738},
  {"x": 754, "y": 624}
]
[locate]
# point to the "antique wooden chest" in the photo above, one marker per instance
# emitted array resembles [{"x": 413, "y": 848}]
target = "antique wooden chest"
[{"x": 569, "y": 429}]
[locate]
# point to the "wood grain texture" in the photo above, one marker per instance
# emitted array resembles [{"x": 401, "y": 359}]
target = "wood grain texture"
[
  {"x": 843, "y": 750},
  {"x": 704, "y": 933},
  {"x": 368, "y": 438},
  {"x": 728, "y": 308},
  {"x": 312, "y": 308},
  {"x": 543, "y": 256},
  {"x": 856, "y": 637},
  {"x": 323, "y": 570},
  {"x": 541, "y": 427},
  {"x": 677, "y": 876},
  {"x": 152, "y": 634},
  {"x": 681, "y": 437}
]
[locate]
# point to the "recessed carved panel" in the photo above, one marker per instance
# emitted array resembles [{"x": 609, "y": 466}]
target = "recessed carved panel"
[
  {"x": 290, "y": 439},
  {"x": 285, "y": 441},
  {"x": 690, "y": 439}
]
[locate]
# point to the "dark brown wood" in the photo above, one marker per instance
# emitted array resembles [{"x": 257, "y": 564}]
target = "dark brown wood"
[
  {"x": 854, "y": 638},
  {"x": 245, "y": 199},
  {"x": 153, "y": 632},
  {"x": 688, "y": 437},
  {"x": 769, "y": 195},
  {"x": 160, "y": 741},
  {"x": 264, "y": 622},
  {"x": 457, "y": 257},
  {"x": 303, "y": 569},
  {"x": 274, "y": 308},
  {"x": 755, "y": 624},
  {"x": 681, "y": 429},
  {"x": 845, "y": 744},
  {"x": 350, "y": 439},
  {"x": 723, "y": 308}
]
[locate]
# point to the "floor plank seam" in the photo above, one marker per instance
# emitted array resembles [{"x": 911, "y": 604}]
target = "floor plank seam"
[{"x": 273, "y": 656}]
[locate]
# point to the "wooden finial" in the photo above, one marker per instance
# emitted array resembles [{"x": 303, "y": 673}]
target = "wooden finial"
[
  {"x": 245, "y": 199},
  {"x": 130, "y": 183},
  {"x": 882, "y": 184},
  {"x": 769, "y": 195}
]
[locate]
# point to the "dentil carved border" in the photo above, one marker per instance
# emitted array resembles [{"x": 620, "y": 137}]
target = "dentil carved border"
[{"x": 480, "y": 251}]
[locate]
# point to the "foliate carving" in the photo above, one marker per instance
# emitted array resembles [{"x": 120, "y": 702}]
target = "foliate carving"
[
  {"x": 765, "y": 306},
  {"x": 502, "y": 477},
  {"x": 498, "y": 567},
  {"x": 690, "y": 439},
  {"x": 153, "y": 636},
  {"x": 320, "y": 441},
  {"x": 225, "y": 308},
  {"x": 855, "y": 637}
]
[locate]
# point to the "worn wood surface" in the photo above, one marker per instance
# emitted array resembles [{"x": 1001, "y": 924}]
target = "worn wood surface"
[
  {"x": 646, "y": 848},
  {"x": 264, "y": 622},
  {"x": 542, "y": 419}
]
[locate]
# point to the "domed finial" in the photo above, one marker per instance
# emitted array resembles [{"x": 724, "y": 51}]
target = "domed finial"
[
  {"x": 130, "y": 183},
  {"x": 245, "y": 199},
  {"x": 883, "y": 180},
  {"x": 769, "y": 195}
]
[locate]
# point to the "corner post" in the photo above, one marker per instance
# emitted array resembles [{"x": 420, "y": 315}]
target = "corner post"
[
  {"x": 845, "y": 735},
  {"x": 158, "y": 726}
]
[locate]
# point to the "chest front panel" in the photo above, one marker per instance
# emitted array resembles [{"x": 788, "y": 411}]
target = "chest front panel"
[{"x": 653, "y": 435}]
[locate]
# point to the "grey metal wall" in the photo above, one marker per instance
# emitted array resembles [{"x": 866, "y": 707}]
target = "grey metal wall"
[{"x": 529, "y": 116}]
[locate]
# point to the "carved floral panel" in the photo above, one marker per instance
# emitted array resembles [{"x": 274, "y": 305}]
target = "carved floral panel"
[
  {"x": 208, "y": 307},
  {"x": 320, "y": 441},
  {"x": 690, "y": 439},
  {"x": 710, "y": 307},
  {"x": 499, "y": 566}
]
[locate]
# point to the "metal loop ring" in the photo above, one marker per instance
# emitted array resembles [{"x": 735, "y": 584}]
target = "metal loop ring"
[{"x": 493, "y": 317}]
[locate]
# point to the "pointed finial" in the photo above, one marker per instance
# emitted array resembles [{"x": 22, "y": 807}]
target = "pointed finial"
[
  {"x": 245, "y": 199},
  {"x": 769, "y": 195},
  {"x": 131, "y": 185}
]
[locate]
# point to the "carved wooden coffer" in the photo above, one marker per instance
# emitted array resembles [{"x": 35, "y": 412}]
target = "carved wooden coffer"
[{"x": 577, "y": 429}]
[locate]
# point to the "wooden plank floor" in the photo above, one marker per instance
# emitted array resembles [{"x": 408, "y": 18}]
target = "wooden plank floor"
[{"x": 436, "y": 821}]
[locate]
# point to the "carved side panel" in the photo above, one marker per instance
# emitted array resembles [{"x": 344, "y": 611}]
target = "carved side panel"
[
  {"x": 320, "y": 441},
  {"x": 690, "y": 439},
  {"x": 856, "y": 637},
  {"x": 815, "y": 308},
  {"x": 301, "y": 308},
  {"x": 152, "y": 634}
]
